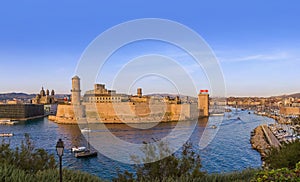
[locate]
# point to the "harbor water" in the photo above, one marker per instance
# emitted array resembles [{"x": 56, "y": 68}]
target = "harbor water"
[{"x": 229, "y": 150}]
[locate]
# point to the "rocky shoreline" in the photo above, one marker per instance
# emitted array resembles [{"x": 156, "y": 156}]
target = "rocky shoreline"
[{"x": 259, "y": 141}]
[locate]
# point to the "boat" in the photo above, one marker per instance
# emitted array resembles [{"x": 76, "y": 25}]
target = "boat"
[
  {"x": 86, "y": 130},
  {"x": 11, "y": 122},
  {"x": 238, "y": 118},
  {"x": 8, "y": 122},
  {"x": 213, "y": 126},
  {"x": 6, "y": 134},
  {"x": 249, "y": 112},
  {"x": 86, "y": 154},
  {"x": 216, "y": 114},
  {"x": 78, "y": 149}
]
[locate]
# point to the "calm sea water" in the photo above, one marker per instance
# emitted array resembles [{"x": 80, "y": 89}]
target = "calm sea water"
[{"x": 230, "y": 150}]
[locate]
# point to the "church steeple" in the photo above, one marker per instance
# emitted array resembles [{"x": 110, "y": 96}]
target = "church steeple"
[{"x": 42, "y": 92}]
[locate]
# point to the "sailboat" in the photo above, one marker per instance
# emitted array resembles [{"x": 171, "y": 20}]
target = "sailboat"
[{"x": 87, "y": 153}]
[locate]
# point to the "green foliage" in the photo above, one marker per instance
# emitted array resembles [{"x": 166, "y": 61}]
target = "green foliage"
[
  {"x": 283, "y": 174},
  {"x": 26, "y": 158},
  {"x": 286, "y": 157},
  {"x": 29, "y": 164},
  {"x": 167, "y": 165},
  {"x": 246, "y": 176},
  {"x": 9, "y": 173}
]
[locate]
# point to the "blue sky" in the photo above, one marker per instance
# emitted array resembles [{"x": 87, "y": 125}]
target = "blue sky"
[{"x": 256, "y": 42}]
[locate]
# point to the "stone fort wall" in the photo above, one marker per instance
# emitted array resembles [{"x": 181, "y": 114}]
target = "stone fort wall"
[
  {"x": 125, "y": 112},
  {"x": 21, "y": 111},
  {"x": 290, "y": 110}
]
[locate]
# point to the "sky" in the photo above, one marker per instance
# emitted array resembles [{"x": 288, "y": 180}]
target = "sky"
[{"x": 255, "y": 42}]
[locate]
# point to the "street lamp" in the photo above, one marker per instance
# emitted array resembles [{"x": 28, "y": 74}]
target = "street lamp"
[{"x": 60, "y": 153}]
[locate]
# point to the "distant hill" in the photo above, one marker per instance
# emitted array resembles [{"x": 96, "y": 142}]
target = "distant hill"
[
  {"x": 10, "y": 96},
  {"x": 22, "y": 96},
  {"x": 294, "y": 95},
  {"x": 170, "y": 95}
]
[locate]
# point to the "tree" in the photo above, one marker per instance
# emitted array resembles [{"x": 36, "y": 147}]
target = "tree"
[
  {"x": 27, "y": 157},
  {"x": 285, "y": 157},
  {"x": 185, "y": 164}
]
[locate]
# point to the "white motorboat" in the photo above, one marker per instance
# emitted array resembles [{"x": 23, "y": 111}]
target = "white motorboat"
[
  {"x": 213, "y": 126},
  {"x": 6, "y": 134},
  {"x": 78, "y": 149},
  {"x": 86, "y": 130}
]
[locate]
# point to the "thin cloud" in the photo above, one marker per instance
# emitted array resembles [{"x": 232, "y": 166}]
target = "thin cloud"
[{"x": 259, "y": 57}]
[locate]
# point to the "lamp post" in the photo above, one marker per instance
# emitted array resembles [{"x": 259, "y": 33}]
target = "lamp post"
[{"x": 60, "y": 153}]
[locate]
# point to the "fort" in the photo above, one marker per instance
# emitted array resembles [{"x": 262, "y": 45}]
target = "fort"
[
  {"x": 21, "y": 111},
  {"x": 106, "y": 106}
]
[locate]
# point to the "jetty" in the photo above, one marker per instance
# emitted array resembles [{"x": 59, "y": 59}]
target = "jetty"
[
  {"x": 262, "y": 140},
  {"x": 258, "y": 141},
  {"x": 272, "y": 140}
]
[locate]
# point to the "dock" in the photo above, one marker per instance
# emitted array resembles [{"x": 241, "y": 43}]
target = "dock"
[{"x": 272, "y": 140}]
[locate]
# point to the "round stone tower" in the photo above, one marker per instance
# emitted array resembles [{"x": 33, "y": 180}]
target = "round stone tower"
[
  {"x": 139, "y": 92},
  {"x": 76, "y": 90}
]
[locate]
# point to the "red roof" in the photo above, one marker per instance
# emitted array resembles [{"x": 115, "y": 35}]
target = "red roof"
[{"x": 203, "y": 91}]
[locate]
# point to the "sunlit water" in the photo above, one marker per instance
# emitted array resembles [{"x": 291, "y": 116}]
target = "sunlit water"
[{"x": 230, "y": 149}]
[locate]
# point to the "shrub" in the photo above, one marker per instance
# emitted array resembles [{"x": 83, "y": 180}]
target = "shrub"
[
  {"x": 283, "y": 174},
  {"x": 9, "y": 173},
  {"x": 285, "y": 157},
  {"x": 27, "y": 157},
  {"x": 34, "y": 165},
  {"x": 188, "y": 164}
]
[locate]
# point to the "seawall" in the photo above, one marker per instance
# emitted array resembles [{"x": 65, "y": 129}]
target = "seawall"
[
  {"x": 127, "y": 112},
  {"x": 262, "y": 140},
  {"x": 259, "y": 142}
]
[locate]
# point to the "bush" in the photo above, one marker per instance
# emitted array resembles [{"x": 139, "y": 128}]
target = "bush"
[
  {"x": 170, "y": 167},
  {"x": 285, "y": 157},
  {"x": 283, "y": 174},
  {"x": 9, "y": 173},
  {"x": 26, "y": 158},
  {"x": 30, "y": 164}
]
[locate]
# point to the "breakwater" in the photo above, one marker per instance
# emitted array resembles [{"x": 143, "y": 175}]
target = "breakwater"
[
  {"x": 262, "y": 140},
  {"x": 259, "y": 142}
]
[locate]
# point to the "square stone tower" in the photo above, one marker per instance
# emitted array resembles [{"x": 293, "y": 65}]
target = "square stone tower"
[{"x": 203, "y": 103}]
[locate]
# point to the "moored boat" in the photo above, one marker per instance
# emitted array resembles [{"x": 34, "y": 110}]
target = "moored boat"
[
  {"x": 86, "y": 130},
  {"x": 6, "y": 134},
  {"x": 217, "y": 114},
  {"x": 78, "y": 149},
  {"x": 86, "y": 154},
  {"x": 213, "y": 126}
]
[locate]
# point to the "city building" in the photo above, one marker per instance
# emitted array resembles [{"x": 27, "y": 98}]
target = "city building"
[{"x": 102, "y": 95}]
